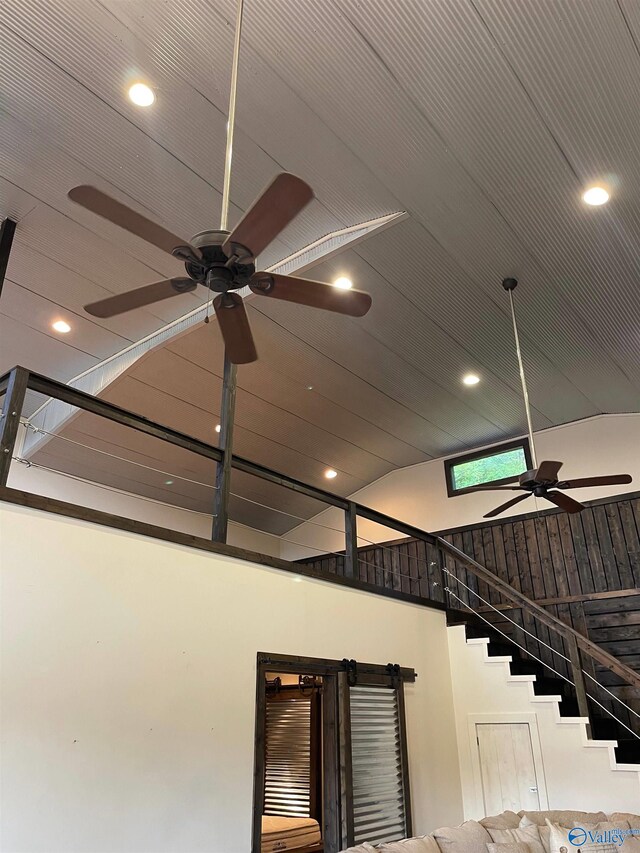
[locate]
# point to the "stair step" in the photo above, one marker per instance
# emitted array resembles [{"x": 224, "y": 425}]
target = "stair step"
[
  {"x": 605, "y": 729},
  {"x": 550, "y": 687},
  {"x": 628, "y": 751},
  {"x": 526, "y": 667},
  {"x": 475, "y": 632},
  {"x": 569, "y": 708},
  {"x": 498, "y": 648}
]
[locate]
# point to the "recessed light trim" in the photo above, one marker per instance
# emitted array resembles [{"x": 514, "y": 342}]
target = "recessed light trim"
[
  {"x": 330, "y": 474},
  {"x": 471, "y": 379},
  {"x": 61, "y": 326},
  {"x": 343, "y": 283},
  {"x": 217, "y": 427},
  {"x": 595, "y": 196},
  {"x": 168, "y": 482},
  {"x": 141, "y": 95}
]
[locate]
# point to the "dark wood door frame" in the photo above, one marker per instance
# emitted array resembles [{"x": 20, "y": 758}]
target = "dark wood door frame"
[{"x": 335, "y": 817}]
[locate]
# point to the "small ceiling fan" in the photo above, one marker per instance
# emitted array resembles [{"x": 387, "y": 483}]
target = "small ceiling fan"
[
  {"x": 542, "y": 480},
  {"x": 223, "y": 262}
]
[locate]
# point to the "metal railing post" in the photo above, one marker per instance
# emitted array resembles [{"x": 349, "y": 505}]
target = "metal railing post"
[
  {"x": 223, "y": 471},
  {"x": 11, "y": 411},
  {"x": 351, "y": 541}
]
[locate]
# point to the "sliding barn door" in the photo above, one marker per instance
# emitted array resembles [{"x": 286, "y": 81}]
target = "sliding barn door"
[
  {"x": 293, "y": 775},
  {"x": 375, "y": 773}
]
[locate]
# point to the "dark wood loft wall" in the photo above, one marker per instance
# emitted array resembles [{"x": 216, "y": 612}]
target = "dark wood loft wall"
[{"x": 583, "y": 568}]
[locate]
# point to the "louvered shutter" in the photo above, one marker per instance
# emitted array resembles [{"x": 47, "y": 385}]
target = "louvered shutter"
[
  {"x": 378, "y": 787},
  {"x": 287, "y": 789}
]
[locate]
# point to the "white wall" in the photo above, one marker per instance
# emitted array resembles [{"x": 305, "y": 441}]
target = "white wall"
[
  {"x": 53, "y": 485},
  {"x": 606, "y": 444},
  {"x": 575, "y": 775},
  {"x": 128, "y": 686}
]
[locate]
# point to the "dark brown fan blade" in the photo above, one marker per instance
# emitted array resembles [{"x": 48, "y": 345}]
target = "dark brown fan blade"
[
  {"x": 489, "y": 488},
  {"x": 547, "y": 472},
  {"x": 146, "y": 295},
  {"x": 607, "y": 480},
  {"x": 563, "y": 501},
  {"x": 118, "y": 213},
  {"x": 506, "y": 505},
  {"x": 315, "y": 294},
  {"x": 235, "y": 328},
  {"x": 270, "y": 213}
]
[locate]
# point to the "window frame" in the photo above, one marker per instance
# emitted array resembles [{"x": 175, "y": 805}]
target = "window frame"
[{"x": 494, "y": 450}]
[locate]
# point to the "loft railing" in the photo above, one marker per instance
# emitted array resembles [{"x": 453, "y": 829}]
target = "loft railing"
[{"x": 423, "y": 576}]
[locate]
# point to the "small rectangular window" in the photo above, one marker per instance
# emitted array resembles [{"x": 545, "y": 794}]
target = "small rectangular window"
[{"x": 501, "y": 464}]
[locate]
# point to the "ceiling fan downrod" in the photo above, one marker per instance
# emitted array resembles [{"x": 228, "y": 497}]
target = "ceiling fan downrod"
[{"x": 510, "y": 285}]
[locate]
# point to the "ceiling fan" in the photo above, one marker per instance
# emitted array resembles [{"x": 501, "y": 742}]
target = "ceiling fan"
[
  {"x": 224, "y": 262},
  {"x": 542, "y": 480}
]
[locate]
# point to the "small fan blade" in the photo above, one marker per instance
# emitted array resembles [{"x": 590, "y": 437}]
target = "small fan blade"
[
  {"x": 607, "y": 480},
  {"x": 547, "y": 472},
  {"x": 270, "y": 213},
  {"x": 121, "y": 215},
  {"x": 563, "y": 501},
  {"x": 146, "y": 295},
  {"x": 235, "y": 328},
  {"x": 506, "y": 505},
  {"x": 315, "y": 294}
]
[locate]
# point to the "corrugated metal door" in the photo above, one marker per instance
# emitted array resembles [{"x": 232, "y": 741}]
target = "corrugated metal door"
[
  {"x": 378, "y": 780},
  {"x": 287, "y": 787}
]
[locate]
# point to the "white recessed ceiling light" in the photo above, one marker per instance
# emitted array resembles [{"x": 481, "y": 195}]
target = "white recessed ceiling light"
[
  {"x": 168, "y": 482},
  {"x": 61, "y": 326},
  {"x": 141, "y": 95},
  {"x": 330, "y": 474},
  {"x": 343, "y": 282},
  {"x": 217, "y": 427},
  {"x": 471, "y": 379},
  {"x": 595, "y": 196}
]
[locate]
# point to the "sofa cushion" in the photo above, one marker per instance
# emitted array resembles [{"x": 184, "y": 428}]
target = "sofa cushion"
[
  {"x": 420, "y": 844},
  {"x": 469, "y": 837},
  {"x": 543, "y": 830},
  {"x": 508, "y": 847},
  {"x": 564, "y": 818},
  {"x": 562, "y": 839},
  {"x": 361, "y": 848},
  {"x": 632, "y": 819},
  {"x": 526, "y": 833},
  {"x": 506, "y": 820}
]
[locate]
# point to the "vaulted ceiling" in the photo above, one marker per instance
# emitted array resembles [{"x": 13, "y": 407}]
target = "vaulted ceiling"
[{"x": 483, "y": 119}]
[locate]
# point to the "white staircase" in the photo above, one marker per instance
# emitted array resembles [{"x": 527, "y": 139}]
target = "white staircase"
[{"x": 577, "y": 773}]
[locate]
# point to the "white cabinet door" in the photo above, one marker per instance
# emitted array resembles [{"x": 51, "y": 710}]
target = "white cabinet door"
[{"x": 507, "y": 767}]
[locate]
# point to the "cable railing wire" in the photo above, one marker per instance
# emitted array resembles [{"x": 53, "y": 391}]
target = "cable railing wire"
[
  {"x": 538, "y": 640},
  {"x": 30, "y": 464},
  {"x": 388, "y": 548},
  {"x": 548, "y": 666}
]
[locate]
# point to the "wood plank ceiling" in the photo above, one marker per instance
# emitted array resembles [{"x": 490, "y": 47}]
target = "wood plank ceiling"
[{"x": 484, "y": 119}]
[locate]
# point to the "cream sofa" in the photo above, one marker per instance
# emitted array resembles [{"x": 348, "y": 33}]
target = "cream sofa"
[{"x": 525, "y": 832}]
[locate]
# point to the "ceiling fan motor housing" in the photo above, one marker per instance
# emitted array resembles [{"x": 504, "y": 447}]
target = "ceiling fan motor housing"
[
  {"x": 528, "y": 481},
  {"x": 216, "y": 271}
]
